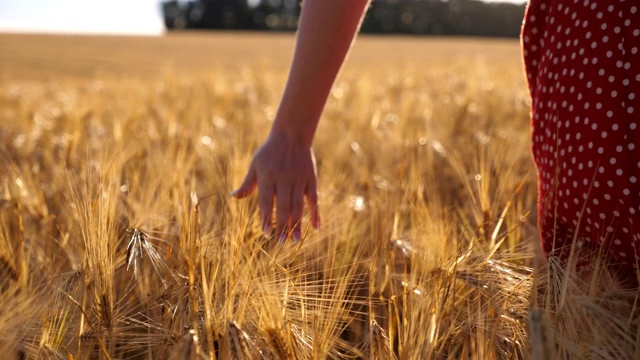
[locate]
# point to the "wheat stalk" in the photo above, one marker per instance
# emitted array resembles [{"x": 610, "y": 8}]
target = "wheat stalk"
[{"x": 379, "y": 346}]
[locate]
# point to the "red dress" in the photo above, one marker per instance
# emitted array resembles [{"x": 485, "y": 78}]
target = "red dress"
[{"x": 582, "y": 59}]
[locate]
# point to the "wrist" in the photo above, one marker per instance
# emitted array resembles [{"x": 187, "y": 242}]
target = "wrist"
[
  {"x": 299, "y": 128},
  {"x": 292, "y": 132}
]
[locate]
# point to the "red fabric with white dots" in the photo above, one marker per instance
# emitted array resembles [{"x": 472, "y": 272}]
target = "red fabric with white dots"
[{"x": 582, "y": 59}]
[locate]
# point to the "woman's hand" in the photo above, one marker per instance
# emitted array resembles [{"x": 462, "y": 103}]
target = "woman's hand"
[{"x": 284, "y": 171}]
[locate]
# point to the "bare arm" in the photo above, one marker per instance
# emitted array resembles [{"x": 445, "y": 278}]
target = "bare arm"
[
  {"x": 283, "y": 168},
  {"x": 327, "y": 30}
]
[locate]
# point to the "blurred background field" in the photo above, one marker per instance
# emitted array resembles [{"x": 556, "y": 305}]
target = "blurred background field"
[
  {"x": 46, "y": 57},
  {"x": 119, "y": 239}
]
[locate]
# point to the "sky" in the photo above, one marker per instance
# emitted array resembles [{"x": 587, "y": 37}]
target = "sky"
[
  {"x": 81, "y": 16},
  {"x": 136, "y": 17}
]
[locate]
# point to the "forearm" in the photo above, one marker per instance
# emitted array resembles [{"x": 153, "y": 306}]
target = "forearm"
[{"x": 327, "y": 29}]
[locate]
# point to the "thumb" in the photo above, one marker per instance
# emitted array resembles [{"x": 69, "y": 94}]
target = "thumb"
[{"x": 248, "y": 185}]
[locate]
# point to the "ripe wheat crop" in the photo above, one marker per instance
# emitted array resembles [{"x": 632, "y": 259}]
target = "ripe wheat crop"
[{"x": 118, "y": 238}]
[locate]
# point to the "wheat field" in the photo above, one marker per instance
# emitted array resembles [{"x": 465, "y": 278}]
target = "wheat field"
[{"x": 119, "y": 240}]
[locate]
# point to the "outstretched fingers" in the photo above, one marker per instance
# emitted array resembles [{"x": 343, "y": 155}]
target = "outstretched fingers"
[{"x": 285, "y": 176}]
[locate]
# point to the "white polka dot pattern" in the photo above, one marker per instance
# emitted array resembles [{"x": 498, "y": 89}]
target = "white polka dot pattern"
[{"x": 583, "y": 69}]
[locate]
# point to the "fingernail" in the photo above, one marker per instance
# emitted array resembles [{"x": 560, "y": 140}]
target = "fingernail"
[
  {"x": 266, "y": 229},
  {"x": 233, "y": 193},
  {"x": 296, "y": 235}
]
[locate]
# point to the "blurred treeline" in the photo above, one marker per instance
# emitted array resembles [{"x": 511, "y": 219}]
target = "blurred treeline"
[{"x": 435, "y": 17}]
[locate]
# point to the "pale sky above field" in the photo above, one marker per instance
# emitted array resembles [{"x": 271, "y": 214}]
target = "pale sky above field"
[{"x": 86, "y": 16}]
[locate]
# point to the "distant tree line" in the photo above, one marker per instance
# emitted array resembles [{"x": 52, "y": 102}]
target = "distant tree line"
[{"x": 435, "y": 17}]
